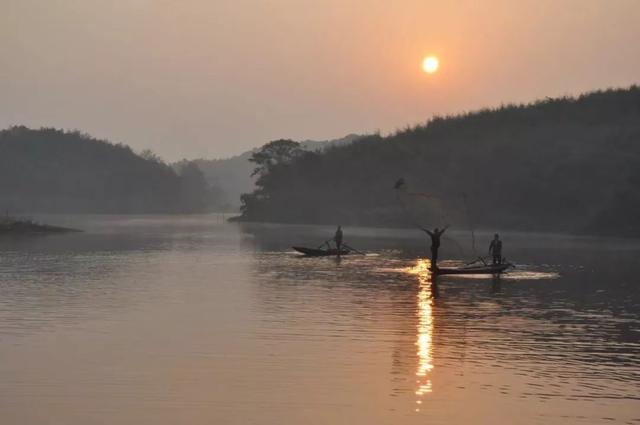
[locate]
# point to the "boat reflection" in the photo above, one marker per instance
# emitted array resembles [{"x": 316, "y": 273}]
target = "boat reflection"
[{"x": 426, "y": 293}]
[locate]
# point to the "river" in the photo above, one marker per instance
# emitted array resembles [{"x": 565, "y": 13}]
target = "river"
[{"x": 192, "y": 320}]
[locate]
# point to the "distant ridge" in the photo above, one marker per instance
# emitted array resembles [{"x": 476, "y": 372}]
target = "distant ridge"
[{"x": 232, "y": 176}]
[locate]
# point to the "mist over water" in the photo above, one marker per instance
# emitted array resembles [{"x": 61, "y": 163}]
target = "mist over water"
[{"x": 165, "y": 320}]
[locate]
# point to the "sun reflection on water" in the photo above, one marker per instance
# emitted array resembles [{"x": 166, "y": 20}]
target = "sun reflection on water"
[{"x": 424, "y": 341}]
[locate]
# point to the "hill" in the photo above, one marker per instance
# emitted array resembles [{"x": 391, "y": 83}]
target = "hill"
[
  {"x": 49, "y": 170},
  {"x": 232, "y": 176},
  {"x": 565, "y": 164}
]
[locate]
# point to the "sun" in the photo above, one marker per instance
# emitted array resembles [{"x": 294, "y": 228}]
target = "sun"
[{"x": 430, "y": 64}]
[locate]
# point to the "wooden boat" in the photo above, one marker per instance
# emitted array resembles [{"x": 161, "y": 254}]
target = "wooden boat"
[
  {"x": 474, "y": 269},
  {"x": 316, "y": 252}
]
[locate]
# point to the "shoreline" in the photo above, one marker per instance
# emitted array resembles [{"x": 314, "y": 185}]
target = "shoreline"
[{"x": 24, "y": 226}]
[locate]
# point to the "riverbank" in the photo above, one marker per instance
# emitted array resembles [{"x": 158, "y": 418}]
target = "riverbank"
[{"x": 21, "y": 226}]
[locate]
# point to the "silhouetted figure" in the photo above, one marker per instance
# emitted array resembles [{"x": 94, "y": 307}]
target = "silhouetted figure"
[
  {"x": 399, "y": 183},
  {"x": 495, "y": 249},
  {"x": 435, "y": 243},
  {"x": 338, "y": 238}
]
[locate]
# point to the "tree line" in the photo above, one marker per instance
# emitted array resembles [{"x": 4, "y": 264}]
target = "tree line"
[
  {"x": 50, "y": 170},
  {"x": 569, "y": 164}
]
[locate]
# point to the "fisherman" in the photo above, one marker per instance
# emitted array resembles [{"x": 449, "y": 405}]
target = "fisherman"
[
  {"x": 495, "y": 249},
  {"x": 338, "y": 238},
  {"x": 435, "y": 244}
]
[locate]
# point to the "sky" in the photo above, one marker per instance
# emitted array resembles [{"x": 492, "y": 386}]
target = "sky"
[{"x": 213, "y": 78}]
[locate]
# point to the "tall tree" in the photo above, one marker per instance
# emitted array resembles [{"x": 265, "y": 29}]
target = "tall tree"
[{"x": 274, "y": 153}]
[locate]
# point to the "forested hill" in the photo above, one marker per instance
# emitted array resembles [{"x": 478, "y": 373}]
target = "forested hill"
[
  {"x": 49, "y": 170},
  {"x": 232, "y": 176},
  {"x": 567, "y": 164}
]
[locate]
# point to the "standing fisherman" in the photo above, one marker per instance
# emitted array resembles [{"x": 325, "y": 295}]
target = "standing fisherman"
[
  {"x": 338, "y": 239},
  {"x": 495, "y": 249},
  {"x": 435, "y": 244}
]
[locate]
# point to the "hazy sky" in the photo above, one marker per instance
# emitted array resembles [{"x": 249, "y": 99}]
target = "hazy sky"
[{"x": 191, "y": 78}]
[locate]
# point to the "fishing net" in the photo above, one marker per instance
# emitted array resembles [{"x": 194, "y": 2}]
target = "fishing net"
[{"x": 426, "y": 210}]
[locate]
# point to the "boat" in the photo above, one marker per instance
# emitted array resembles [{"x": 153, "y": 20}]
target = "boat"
[
  {"x": 317, "y": 252},
  {"x": 474, "y": 269}
]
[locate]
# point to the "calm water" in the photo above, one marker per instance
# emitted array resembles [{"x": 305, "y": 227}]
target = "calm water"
[{"x": 169, "y": 320}]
